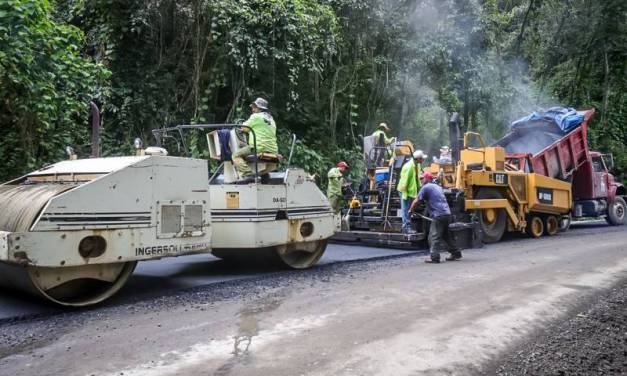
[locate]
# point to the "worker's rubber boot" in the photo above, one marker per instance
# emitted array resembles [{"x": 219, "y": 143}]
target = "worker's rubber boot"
[{"x": 454, "y": 257}]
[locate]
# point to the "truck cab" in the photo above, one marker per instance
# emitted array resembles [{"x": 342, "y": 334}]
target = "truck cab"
[{"x": 596, "y": 191}]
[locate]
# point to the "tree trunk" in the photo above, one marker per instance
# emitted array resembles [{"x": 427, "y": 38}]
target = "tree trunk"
[
  {"x": 523, "y": 26},
  {"x": 606, "y": 86}
]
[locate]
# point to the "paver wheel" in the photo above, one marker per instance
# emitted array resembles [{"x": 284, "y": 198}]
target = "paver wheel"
[
  {"x": 491, "y": 221},
  {"x": 551, "y": 225},
  {"x": 535, "y": 226},
  {"x": 616, "y": 212}
]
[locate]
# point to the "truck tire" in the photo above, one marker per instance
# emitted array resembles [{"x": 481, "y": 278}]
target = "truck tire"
[
  {"x": 535, "y": 226},
  {"x": 491, "y": 221},
  {"x": 616, "y": 212},
  {"x": 551, "y": 225},
  {"x": 565, "y": 222}
]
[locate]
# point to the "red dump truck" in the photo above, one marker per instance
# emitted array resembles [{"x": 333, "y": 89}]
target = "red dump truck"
[{"x": 550, "y": 151}]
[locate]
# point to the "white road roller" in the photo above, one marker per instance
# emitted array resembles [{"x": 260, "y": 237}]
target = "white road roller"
[
  {"x": 279, "y": 216},
  {"x": 72, "y": 232}
]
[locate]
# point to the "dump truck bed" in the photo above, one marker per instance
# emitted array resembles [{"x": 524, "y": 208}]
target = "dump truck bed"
[{"x": 547, "y": 153}]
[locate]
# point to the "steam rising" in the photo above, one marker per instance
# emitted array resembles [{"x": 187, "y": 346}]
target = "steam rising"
[{"x": 456, "y": 60}]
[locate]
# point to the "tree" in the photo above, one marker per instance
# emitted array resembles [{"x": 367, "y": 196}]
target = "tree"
[{"x": 45, "y": 86}]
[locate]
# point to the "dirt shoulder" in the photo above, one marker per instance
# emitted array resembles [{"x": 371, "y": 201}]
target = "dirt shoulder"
[{"x": 592, "y": 340}]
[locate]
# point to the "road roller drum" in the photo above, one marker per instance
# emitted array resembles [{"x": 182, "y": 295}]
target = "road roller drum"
[{"x": 74, "y": 231}]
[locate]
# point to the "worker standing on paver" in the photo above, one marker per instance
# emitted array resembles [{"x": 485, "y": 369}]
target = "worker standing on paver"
[
  {"x": 408, "y": 186},
  {"x": 381, "y": 134},
  {"x": 440, "y": 214},
  {"x": 335, "y": 184},
  {"x": 264, "y": 127}
]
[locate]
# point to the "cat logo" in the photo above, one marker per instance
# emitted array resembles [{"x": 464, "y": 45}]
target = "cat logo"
[{"x": 500, "y": 179}]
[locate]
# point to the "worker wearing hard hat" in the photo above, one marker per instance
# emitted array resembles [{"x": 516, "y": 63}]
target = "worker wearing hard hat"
[
  {"x": 440, "y": 215},
  {"x": 381, "y": 134},
  {"x": 408, "y": 186},
  {"x": 335, "y": 184},
  {"x": 264, "y": 128}
]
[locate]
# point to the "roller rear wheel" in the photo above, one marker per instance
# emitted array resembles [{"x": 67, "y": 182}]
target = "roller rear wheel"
[{"x": 303, "y": 255}]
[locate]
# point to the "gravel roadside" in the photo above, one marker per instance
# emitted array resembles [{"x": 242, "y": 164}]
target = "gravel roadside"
[{"x": 592, "y": 340}]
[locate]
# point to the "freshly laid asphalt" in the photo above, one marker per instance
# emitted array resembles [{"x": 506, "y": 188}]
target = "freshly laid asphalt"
[
  {"x": 169, "y": 275},
  {"x": 166, "y": 276}
]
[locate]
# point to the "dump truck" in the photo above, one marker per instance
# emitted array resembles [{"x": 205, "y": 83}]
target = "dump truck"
[
  {"x": 540, "y": 147},
  {"x": 72, "y": 232}
]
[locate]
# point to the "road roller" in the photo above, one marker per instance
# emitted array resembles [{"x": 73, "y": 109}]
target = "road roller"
[
  {"x": 276, "y": 216},
  {"x": 72, "y": 232}
]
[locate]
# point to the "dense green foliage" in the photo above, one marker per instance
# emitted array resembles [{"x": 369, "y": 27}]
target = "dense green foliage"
[
  {"x": 331, "y": 69},
  {"x": 45, "y": 84}
]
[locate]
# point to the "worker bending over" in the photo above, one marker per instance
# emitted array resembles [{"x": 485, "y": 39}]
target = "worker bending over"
[
  {"x": 264, "y": 127},
  {"x": 440, "y": 214},
  {"x": 335, "y": 184},
  {"x": 408, "y": 186}
]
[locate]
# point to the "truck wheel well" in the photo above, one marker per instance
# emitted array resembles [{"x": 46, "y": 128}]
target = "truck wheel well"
[{"x": 620, "y": 191}]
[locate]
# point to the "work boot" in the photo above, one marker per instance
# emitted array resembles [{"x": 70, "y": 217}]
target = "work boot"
[
  {"x": 454, "y": 257},
  {"x": 432, "y": 261}
]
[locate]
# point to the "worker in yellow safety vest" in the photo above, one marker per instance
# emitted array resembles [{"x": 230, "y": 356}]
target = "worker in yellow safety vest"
[
  {"x": 335, "y": 184},
  {"x": 382, "y": 140},
  {"x": 264, "y": 128},
  {"x": 408, "y": 185},
  {"x": 381, "y": 134}
]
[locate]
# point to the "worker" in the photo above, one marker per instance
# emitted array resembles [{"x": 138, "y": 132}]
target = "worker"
[
  {"x": 381, "y": 134},
  {"x": 440, "y": 214},
  {"x": 408, "y": 186},
  {"x": 382, "y": 140},
  {"x": 335, "y": 184},
  {"x": 264, "y": 128},
  {"x": 445, "y": 155}
]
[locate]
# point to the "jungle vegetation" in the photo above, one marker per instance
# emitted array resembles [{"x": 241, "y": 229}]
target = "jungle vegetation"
[{"x": 331, "y": 69}]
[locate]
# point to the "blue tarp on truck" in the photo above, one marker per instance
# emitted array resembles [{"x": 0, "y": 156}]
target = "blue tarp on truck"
[{"x": 535, "y": 132}]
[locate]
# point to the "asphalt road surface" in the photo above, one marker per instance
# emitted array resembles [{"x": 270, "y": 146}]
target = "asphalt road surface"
[
  {"x": 169, "y": 275},
  {"x": 390, "y": 316}
]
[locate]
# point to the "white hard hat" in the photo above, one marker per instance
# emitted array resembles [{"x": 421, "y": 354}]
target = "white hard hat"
[
  {"x": 261, "y": 103},
  {"x": 419, "y": 154}
]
